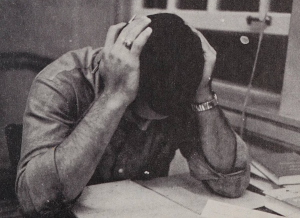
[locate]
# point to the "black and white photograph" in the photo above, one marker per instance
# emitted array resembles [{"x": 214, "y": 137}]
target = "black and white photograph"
[{"x": 150, "y": 108}]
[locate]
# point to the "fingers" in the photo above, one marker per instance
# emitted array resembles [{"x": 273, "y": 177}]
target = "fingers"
[
  {"x": 132, "y": 30},
  {"x": 140, "y": 41},
  {"x": 113, "y": 33},
  {"x": 210, "y": 56},
  {"x": 204, "y": 42},
  {"x": 208, "y": 50}
]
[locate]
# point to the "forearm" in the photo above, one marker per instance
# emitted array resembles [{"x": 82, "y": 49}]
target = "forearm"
[
  {"x": 217, "y": 140},
  {"x": 61, "y": 173},
  {"x": 78, "y": 156},
  {"x": 225, "y": 152},
  {"x": 226, "y": 155}
]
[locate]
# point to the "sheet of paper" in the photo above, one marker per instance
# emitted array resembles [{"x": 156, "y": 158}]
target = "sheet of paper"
[
  {"x": 262, "y": 184},
  {"x": 215, "y": 209},
  {"x": 192, "y": 194},
  {"x": 293, "y": 187},
  {"x": 126, "y": 199},
  {"x": 256, "y": 171}
]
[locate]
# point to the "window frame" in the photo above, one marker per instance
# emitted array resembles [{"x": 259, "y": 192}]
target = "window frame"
[
  {"x": 213, "y": 19},
  {"x": 274, "y": 117}
]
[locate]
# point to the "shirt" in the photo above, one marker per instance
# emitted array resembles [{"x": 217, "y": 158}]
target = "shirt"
[{"x": 60, "y": 96}]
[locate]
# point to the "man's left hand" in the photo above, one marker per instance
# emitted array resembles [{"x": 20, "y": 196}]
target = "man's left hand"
[{"x": 204, "y": 93}]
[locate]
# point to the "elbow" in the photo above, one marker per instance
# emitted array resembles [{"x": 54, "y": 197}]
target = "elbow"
[
  {"x": 37, "y": 202},
  {"x": 23, "y": 194},
  {"x": 231, "y": 187},
  {"x": 39, "y": 192},
  {"x": 33, "y": 204}
]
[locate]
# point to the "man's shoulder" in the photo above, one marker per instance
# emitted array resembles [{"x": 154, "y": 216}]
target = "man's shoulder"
[
  {"x": 72, "y": 64},
  {"x": 69, "y": 77}
]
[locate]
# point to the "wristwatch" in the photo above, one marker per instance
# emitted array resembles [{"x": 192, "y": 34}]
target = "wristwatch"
[{"x": 200, "y": 107}]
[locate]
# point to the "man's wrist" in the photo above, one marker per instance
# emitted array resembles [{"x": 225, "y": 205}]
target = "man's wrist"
[
  {"x": 205, "y": 105},
  {"x": 116, "y": 100},
  {"x": 204, "y": 92},
  {"x": 203, "y": 95}
]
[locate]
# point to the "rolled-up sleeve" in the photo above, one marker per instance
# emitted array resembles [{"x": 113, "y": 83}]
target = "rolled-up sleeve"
[
  {"x": 230, "y": 185},
  {"x": 47, "y": 121}
]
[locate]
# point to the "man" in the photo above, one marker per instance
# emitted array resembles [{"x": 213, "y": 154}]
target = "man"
[{"x": 121, "y": 112}]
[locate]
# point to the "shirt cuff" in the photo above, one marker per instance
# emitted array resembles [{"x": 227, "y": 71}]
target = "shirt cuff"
[
  {"x": 202, "y": 171},
  {"x": 230, "y": 185}
]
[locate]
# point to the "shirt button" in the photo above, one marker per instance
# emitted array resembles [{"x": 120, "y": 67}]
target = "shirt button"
[
  {"x": 120, "y": 171},
  {"x": 146, "y": 172}
]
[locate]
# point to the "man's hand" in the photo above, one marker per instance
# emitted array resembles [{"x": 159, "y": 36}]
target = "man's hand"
[
  {"x": 203, "y": 93},
  {"x": 120, "y": 65}
]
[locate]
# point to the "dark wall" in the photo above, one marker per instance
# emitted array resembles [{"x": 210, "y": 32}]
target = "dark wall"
[
  {"x": 47, "y": 28},
  {"x": 52, "y": 27}
]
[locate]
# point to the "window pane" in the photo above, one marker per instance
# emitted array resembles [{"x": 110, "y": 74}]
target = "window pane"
[
  {"x": 155, "y": 3},
  {"x": 192, "y": 4},
  {"x": 281, "y": 6},
  {"x": 239, "y": 5},
  {"x": 236, "y": 54}
]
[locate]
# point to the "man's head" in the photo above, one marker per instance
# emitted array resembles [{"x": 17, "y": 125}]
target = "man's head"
[{"x": 171, "y": 64}]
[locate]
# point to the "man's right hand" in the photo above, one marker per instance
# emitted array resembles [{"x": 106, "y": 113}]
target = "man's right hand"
[{"x": 120, "y": 64}]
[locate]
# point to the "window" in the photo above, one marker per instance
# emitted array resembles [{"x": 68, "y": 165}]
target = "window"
[{"x": 231, "y": 26}]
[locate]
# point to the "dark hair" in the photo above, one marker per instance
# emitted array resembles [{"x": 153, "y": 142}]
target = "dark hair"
[{"x": 171, "y": 64}]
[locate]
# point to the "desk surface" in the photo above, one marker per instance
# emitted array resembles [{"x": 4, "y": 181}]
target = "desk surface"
[
  {"x": 192, "y": 194},
  {"x": 126, "y": 199},
  {"x": 173, "y": 196}
]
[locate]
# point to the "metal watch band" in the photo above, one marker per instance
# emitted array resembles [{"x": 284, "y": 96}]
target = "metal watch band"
[{"x": 206, "y": 105}]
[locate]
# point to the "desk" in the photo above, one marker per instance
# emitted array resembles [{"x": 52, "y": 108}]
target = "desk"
[{"x": 173, "y": 196}]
